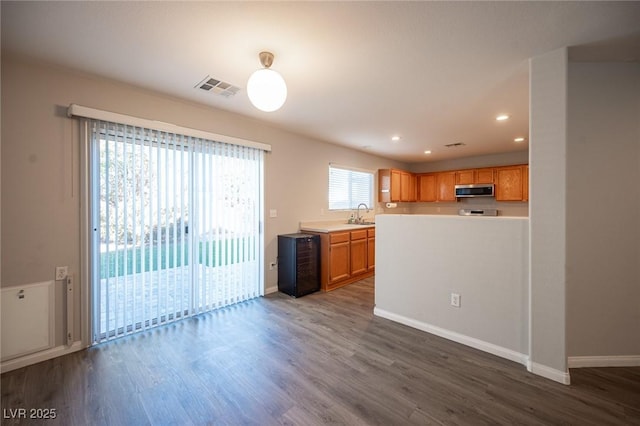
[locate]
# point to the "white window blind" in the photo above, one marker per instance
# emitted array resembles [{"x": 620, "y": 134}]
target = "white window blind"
[
  {"x": 349, "y": 187},
  {"x": 176, "y": 226}
]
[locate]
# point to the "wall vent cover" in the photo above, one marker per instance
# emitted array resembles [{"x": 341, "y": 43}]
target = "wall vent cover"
[
  {"x": 455, "y": 145},
  {"x": 218, "y": 87}
]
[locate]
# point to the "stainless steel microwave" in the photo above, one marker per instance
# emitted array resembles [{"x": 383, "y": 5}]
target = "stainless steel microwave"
[{"x": 475, "y": 190}]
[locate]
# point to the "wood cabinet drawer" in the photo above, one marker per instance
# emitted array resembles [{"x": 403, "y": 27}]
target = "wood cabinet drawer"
[
  {"x": 358, "y": 235},
  {"x": 339, "y": 237},
  {"x": 371, "y": 232}
]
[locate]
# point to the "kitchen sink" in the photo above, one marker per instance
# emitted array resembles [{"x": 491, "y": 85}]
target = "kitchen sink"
[{"x": 366, "y": 223}]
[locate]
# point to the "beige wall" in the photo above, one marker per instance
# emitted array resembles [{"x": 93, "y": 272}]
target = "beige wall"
[
  {"x": 491, "y": 160},
  {"x": 603, "y": 210},
  {"x": 40, "y": 165},
  {"x": 418, "y": 271}
]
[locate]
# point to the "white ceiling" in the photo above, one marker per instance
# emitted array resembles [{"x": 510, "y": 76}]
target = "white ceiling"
[{"x": 358, "y": 73}]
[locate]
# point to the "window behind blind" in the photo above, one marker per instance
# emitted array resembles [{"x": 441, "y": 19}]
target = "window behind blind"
[
  {"x": 349, "y": 187},
  {"x": 175, "y": 226}
]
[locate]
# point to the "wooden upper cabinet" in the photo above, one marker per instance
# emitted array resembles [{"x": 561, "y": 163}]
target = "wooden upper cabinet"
[
  {"x": 396, "y": 185},
  {"x": 445, "y": 183},
  {"x": 483, "y": 175},
  {"x": 427, "y": 187},
  {"x": 525, "y": 183},
  {"x": 471, "y": 176},
  {"x": 384, "y": 185},
  {"x": 436, "y": 186},
  {"x": 465, "y": 177},
  {"x": 511, "y": 182},
  {"x": 413, "y": 188},
  {"x": 405, "y": 186}
]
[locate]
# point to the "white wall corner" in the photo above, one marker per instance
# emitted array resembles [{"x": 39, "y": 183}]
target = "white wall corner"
[
  {"x": 271, "y": 289},
  {"x": 549, "y": 373},
  {"x": 547, "y": 214}
]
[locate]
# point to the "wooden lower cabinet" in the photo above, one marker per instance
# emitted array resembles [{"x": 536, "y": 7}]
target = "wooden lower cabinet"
[
  {"x": 339, "y": 257},
  {"x": 371, "y": 249},
  {"x": 358, "y": 252},
  {"x": 346, "y": 257}
]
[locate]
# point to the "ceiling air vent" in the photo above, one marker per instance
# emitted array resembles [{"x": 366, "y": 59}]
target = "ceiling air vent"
[
  {"x": 455, "y": 145},
  {"x": 210, "y": 84}
]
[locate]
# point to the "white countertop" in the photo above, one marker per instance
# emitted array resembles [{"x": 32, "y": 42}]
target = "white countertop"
[{"x": 331, "y": 226}]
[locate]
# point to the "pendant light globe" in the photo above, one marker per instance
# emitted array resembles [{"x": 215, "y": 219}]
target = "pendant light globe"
[{"x": 266, "y": 88}]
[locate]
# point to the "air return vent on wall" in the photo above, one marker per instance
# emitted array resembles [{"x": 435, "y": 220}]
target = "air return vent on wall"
[{"x": 213, "y": 85}]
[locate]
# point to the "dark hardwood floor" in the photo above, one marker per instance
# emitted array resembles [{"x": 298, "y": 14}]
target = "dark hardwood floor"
[{"x": 320, "y": 359}]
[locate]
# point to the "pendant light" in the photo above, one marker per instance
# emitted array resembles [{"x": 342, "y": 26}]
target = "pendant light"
[{"x": 266, "y": 88}]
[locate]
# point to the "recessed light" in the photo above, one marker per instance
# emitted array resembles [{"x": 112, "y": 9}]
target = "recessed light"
[
  {"x": 502, "y": 117},
  {"x": 518, "y": 140},
  {"x": 427, "y": 152},
  {"x": 395, "y": 138}
]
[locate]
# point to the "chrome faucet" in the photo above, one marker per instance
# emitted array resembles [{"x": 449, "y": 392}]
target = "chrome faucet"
[{"x": 358, "y": 218}]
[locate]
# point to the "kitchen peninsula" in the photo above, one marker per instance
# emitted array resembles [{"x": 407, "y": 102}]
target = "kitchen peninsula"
[{"x": 427, "y": 262}]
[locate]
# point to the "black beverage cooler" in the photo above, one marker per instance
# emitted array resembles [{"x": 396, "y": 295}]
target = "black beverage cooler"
[{"x": 298, "y": 264}]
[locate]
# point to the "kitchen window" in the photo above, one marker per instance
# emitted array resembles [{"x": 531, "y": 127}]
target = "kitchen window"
[{"x": 349, "y": 187}]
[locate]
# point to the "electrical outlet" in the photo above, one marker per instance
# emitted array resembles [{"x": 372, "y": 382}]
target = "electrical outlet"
[
  {"x": 61, "y": 272},
  {"x": 455, "y": 300}
]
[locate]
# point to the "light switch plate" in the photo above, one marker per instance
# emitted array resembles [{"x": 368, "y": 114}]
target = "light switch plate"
[{"x": 273, "y": 213}]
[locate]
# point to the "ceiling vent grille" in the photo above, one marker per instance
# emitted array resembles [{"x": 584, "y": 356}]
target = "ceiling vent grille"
[
  {"x": 218, "y": 87},
  {"x": 455, "y": 145}
]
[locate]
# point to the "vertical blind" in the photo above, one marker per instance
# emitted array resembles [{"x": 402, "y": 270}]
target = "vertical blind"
[
  {"x": 349, "y": 187},
  {"x": 176, "y": 226}
]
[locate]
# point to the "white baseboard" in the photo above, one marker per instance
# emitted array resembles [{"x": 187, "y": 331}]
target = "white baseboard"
[
  {"x": 272, "y": 289},
  {"x": 456, "y": 337},
  {"x": 37, "y": 357},
  {"x": 549, "y": 373},
  {"x": 604, "y": 361}
]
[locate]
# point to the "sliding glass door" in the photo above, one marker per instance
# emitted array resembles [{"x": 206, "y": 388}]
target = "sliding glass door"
[{"x": 175, "y": 227}]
